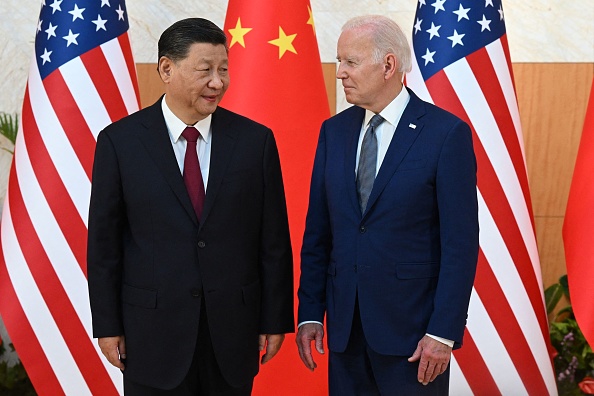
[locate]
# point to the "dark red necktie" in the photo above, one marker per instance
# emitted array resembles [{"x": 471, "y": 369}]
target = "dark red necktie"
[{"x": 192, "y": 174}]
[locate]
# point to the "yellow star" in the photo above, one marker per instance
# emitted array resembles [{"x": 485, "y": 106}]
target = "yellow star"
[
  {"x": 311, "y": 20},
  {"x": 238, "y": 34},
  {"x": 284, "y": 42}
]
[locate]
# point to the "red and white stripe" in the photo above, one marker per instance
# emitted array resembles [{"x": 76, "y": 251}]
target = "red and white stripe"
[
  {"x": 506, "y": 345},
  {"x": 43, "y": 286}
]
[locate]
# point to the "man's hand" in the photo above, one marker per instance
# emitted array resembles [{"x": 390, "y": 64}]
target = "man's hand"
[
  {"x": 272, "y": 343},
  {"x": 435, "y": 357},
  {"x": 305, "y": 335},
  {"x": 114, "y": 349}
]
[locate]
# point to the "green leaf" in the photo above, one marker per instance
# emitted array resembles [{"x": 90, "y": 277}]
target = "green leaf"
[
  {"x": 563, "y": 282},
  {"x": 553, "y": 294},
  {"x": 9, "y": 126}
]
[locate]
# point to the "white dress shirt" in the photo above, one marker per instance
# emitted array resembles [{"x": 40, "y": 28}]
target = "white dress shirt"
[
  {"x": 175, "y": 127},
  {"x": 385, "y": 131}
]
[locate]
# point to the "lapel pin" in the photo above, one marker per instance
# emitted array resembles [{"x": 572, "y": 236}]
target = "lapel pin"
[{"x": 413, "y": 126}]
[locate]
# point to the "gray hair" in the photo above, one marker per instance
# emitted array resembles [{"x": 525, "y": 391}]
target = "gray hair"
[{"x": 387, "y": 37}]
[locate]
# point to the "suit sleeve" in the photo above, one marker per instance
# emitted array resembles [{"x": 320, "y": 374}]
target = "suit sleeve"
[
  {"x": 104, "y": 251},
  {"x": 276, "y": 254},
  {"x": 459, "y": 233},
  {"x": 317, "y": 243}
]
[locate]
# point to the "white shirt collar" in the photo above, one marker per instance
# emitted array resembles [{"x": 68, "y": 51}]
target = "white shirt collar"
[
  {"x": 393, "y": 111},
  {"x": 177, "y": 126}
]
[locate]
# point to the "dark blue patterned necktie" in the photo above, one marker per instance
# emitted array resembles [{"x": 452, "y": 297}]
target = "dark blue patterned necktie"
[{"x": 367, "y": 162}]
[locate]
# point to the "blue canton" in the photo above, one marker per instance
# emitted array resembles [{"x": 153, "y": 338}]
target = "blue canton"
[
  {"x": 69, "y": 28},
  {"x": 448, "y": 30}
]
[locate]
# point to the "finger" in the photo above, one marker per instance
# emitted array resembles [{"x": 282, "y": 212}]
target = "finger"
[
  {"x": 122, "y": 348},
  {"x": 273, "y": 345},
  {"x": 422, "y": 370},
  {"x": 429, "y": 374},
  {"x": 416, "y": 355},
  {"x": 304, "y": 347},
  {"x": 436, "y": 372},
  {"x": 320, "y": 343},
  {"x": 261, "y": 342},
  {"x": 114, "y": 358}
]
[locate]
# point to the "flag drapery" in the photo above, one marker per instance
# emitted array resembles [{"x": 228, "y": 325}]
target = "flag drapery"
[
  {"x": 577, "y": 229},
  {"x": 276, "y": 79},
  {"x": 82, "y": 77},
  {"x": 461, "y": 63}
]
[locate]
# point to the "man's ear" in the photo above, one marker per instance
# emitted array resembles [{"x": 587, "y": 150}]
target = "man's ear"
[
  {"x": 390, "y": 66},
  {"x": 165, "y": 68}
]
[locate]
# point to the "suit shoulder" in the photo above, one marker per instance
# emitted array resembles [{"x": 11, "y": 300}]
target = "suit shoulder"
[
  {"x": 345, "y": 117},
  {"x": 441, "y": 116},
  {"x": 227, "y": 116},
  {"x": 131, "y": 122}
]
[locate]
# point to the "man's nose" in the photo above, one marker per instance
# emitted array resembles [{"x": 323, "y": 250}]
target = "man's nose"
[
  {"x": 340, "y": 73},
  {"x": 216, "y": 81}
]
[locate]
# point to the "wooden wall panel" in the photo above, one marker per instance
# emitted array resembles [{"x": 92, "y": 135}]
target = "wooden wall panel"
[
  {"x": 329, "y": 70},
  {"x": 149, "y": 82},
  {"x": 552, "y": 98}
]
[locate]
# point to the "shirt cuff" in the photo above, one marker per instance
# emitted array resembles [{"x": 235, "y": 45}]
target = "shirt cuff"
[
  {"x": 309, "y": 321},
  {"x": 449, "y": 343}
]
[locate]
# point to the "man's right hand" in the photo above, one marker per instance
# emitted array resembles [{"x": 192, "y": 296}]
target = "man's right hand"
[
  {"x": 305, "y": 335},
  {"x": 114, "y": 349}
]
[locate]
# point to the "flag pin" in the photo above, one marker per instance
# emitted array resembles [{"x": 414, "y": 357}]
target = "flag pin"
[{"x": 413, "y": 126}]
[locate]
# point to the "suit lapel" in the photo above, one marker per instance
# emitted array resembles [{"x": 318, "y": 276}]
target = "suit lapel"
[
  {"x": 404, "y": 137},
  {"x": 223, "y": 140},
  {"x": 157, "y": 143},
  {"x": 352, "y": 129}
]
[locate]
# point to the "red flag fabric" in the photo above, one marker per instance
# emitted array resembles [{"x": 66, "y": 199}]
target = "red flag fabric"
[
  {"x": 276, "y": 79},
  {"x": 82, "y": 78},
  {"x": 462, "y": 64},
  {"x": 577, "y": 229}
]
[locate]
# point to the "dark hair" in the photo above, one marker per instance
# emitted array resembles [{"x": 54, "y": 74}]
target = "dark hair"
[{"x": 176, "y": 40}]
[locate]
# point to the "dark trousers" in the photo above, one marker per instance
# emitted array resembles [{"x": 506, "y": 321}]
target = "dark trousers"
[
  {"x": 204, "y": 377},
  {"x": 360, "y": 371}
]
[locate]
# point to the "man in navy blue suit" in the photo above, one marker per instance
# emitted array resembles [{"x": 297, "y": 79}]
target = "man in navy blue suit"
[{"x": 391, "y": 240}]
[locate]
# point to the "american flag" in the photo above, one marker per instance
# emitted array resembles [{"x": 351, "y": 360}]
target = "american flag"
[
  {"x": 461, "y": 63},
  {"x": 82, "y": 78}
]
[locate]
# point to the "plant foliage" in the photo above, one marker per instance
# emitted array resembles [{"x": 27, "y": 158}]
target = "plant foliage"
[
  {"x": 574, "y": 360},
  {"x": 13, "y": 378},
  {"x": 9, "y": 126}
]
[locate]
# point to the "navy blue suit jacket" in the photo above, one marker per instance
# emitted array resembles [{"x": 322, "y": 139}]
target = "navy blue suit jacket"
[{"x": 411, "y": 257}]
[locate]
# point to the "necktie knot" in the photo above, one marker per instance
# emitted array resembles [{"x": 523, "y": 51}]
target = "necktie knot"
[
  {"x": 191, "y": 134},
  {"x": 375, "y": 121}
]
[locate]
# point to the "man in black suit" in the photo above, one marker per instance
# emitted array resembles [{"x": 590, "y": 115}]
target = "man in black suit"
[{"x": 190, "y": 274}]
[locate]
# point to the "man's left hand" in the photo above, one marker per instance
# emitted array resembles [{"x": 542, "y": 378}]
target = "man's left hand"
[
  {"x": 434, "y": 356},
  {"x": 272, "y": 343}
]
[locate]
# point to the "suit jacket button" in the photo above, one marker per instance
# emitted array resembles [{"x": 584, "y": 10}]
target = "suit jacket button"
[
  {"x": 196, "y": 292},
  {"x": 201, "y": 244},
  {"x": 362, "y": 229}
]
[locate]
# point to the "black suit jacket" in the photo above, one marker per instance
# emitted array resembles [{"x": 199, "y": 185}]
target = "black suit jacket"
[{"x": 151, "y": 262}]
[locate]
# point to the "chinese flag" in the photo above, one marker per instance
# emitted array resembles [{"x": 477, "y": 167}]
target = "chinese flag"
[
  {"x": 577, "y": 229},
  {"x": 277, "y": 80}
]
